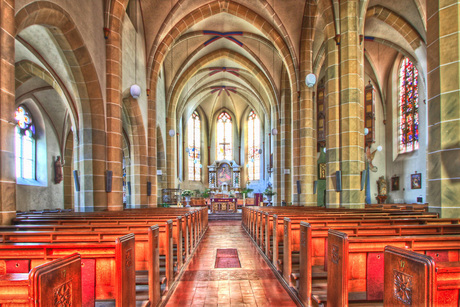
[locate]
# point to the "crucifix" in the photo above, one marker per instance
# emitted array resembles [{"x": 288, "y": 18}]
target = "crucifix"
[{"x": 225, "y": 144}]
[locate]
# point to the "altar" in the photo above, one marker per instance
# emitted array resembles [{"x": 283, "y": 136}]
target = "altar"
[
  {"x": 224, "y": 204},
  {"x": 224, "y": 184}
]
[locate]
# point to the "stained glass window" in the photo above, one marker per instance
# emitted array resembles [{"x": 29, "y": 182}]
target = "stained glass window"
[
  {"x": 25, "y": 144},
  {"x": 224, "y": 137},
  {"x": 408, "y": 107},
  {"x": 193, "y": 148},
  {"x": 253, "y": 146}
]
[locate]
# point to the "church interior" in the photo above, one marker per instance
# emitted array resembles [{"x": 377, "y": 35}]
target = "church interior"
[{"x": 234, "y": 108}]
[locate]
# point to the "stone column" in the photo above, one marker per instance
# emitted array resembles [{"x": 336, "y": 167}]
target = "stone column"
[
  {"x": 307, "y": 130},
  {"x": 443, "y": 35},
  {"x": 333, "y": 120},
  {"x": 152, "y": 153},
  {"x": 351, "y": 105},
  {"x": 114, "y": 108},
  {"x": 283, "y": 142},
  {"x": 7, "y": 123}
]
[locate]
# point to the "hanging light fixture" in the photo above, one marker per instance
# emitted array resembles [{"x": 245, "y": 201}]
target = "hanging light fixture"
[{"x": 135, "y": 89}]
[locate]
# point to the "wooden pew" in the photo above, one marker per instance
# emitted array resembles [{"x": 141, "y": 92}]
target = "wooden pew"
[
  {"x": 189, "y": 229},
  {"x": 274, "y": 236},
  {"x": 150, "y": 243},
  {"x": 196, "y": 228},
  {"x": 413, "y": 207},
  {"x": 177, "y": 234},
  {"x": 259, "y": 219},
  {"x": 108, "y": 267},
  {"x": 312, "y": 243},
  {"x": 348, "y": 276},
  {"x": 193, "y": 225},
  {"x": 259, "y": 222},
  {"x": 414, "y": 279},
  {"x": 55, "y": 282}
]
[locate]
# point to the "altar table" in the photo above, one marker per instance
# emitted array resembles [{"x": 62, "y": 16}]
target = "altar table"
[{"x": 223, "y": 205}]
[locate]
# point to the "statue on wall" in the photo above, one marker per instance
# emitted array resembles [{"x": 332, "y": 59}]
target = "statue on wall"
[
  {"x": 369, "y": 157},
  {"x": 58, "y": 170},
  {"x": 382, "y": 186}
]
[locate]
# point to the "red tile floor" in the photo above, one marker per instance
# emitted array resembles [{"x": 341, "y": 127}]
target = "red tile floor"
[{"x": 254, "y": 284}]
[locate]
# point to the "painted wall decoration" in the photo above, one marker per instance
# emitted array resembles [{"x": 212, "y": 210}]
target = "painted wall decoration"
[
  {"x": 224, "y": 175},
  {"x": 416, "y": 181},
  {"x": 395, "y": 183}
]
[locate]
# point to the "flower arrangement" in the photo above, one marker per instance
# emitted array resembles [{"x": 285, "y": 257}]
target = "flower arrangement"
[
  {"x": 206, "y": 193},
  {"x": 245, "y": 191},
  {"x": 186, "y": 193},
  {"x": 269, "y": 192}
]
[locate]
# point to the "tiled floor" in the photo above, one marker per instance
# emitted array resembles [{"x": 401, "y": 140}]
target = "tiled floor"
[{"x": 254, "y": 284}]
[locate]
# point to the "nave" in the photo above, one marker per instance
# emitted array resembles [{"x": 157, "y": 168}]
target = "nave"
[{"x": 254, "y": 284}]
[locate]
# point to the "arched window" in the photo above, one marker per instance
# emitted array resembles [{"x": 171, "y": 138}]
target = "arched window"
[
  {"x": 194, "y": 141},
  {"x": 25, "y": 144},
  {"x": 408, "y": 107},
  {"x": 224, "y": 137},
  {"x": 253, "y": 146}
]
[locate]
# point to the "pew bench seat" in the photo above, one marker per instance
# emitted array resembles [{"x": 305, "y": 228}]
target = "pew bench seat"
[
  {"x": 416, "y": 279},
  {"x": 44, "y": 285}
]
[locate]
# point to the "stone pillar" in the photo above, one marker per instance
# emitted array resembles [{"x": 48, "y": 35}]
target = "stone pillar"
[
  {"x": 69, "y": 187},
  {"x": 7, "y": 123},
  {"x": 171, "y": 156},
  {"x": 307, "y": 130},
  {"x": 283, "y": 142},
  {"x": 152, "y": 153},
  {"x": 114, "y": 108},
  {"x": 443, "y": 107},
  {"x": 351, "y": 105},
  {"x": 333, "y": 121}
]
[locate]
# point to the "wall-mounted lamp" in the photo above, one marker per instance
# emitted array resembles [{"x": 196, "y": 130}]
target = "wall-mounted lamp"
[
  {"x": 172, "y": 132},
  {"x": 366, "y": 131},
  {"x": 274, "y": 131},
  {"x": 135, "y": 91},
  {"x": 310, "y": 80}
]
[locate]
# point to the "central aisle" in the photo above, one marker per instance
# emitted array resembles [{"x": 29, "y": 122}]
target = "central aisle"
[{"x": 254, "y": 284}]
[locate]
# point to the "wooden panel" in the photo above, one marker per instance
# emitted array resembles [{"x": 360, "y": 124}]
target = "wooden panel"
[
  {"x": 17, "y": 266},
  {"x": 375, "y": 269},
  {"x": 126, "y": 274},
  {"x": 337, "y": 258},
  {"x": 154, "y": 266},
  {"x": 57, "y": 283},
  {"x": 88, "y": 279},
  {"x": 407, "y": 276}
]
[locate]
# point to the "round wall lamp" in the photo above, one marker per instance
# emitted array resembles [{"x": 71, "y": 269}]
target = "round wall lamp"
[
  {"x": 135, "y": 91},
  {"x": 274, "y": 131},
  {"x": 172, "y": 132},
  {"x": 310, "y": 80}
]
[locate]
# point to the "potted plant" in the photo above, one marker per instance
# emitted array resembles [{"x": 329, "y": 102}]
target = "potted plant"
[
  {"x": 205, "y": 194},
  {"x": 269, "y": 193},
  {"x": 245, "y": 192},
  {"x": 187, "y": 194}
]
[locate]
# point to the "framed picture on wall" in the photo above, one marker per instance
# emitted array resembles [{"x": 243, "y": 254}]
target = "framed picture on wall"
[
  {"x": 395, "y": 183},
  {"x": 416, "y": 181},
  {"x": 322, "y": 171}
]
